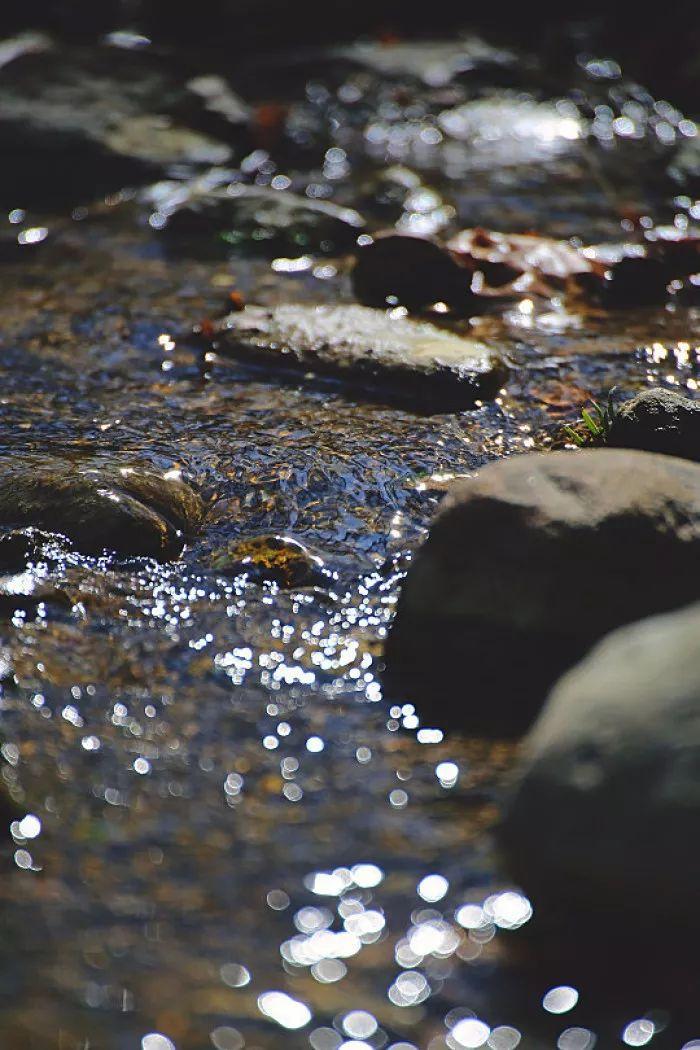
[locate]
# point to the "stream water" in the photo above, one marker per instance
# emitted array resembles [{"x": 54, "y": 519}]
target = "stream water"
[{"x": 239, "y": 841}]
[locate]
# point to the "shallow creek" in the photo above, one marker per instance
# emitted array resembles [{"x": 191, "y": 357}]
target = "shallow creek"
[{"x": 241, "y": 841}]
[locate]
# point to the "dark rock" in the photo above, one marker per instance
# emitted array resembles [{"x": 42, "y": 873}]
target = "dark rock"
[
  {"x": 273, "y": 559},
  {"x": 19, "y": 547},
  {"x": 411, "y": 272},
  {"x": 687, "y": 291},
  {"x": 402, "y": 358},
  {"x": 126, "y": 508},
  {"x": 605, "y": 806},
  {"x": 636, "y": 281},
  {"x": 530, "y": 563},
  {"x": 218, "y": 219},
  {"x": 658, "y": 421}
]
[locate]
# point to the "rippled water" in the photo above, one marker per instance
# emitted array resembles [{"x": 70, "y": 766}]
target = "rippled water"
[{"x": 234, "y": 839}]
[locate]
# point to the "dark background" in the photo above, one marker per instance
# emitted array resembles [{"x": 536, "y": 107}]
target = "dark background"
[{"x": 660, "y": 43}]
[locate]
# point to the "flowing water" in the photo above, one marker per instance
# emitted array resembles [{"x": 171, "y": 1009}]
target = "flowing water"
[{"x": 239, "y": 841}]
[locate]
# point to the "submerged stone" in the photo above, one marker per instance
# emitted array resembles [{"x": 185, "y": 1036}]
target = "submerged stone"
[
  {"x": 125, "y": 508},
  {"x": 605, "y": 804},
  {"x": 527, "y": 565},
  {"x": 658, "y": 420},
  {"x": 273, "y": 559},
  {"x": 402, "y": 358}
]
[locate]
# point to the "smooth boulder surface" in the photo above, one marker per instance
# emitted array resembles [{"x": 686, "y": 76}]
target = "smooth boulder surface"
[
  {"x": 530, "y": 563},
  {"x": 122, "y": 507},
  {"x": 605, "y": 808},
  {"x": 658, "y": 420},
  {"x": 402, "y": 358}
]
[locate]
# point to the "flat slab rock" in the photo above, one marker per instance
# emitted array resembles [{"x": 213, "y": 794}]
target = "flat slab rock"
[
  {"x": 121, "y": 507},
  {"x": 401, "y": 357}
]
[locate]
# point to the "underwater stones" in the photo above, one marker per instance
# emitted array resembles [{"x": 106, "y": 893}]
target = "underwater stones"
[
  {"x": 273, "y": 559},
  {"x": 605, "y": 804},
  {"x": 658, "y": 420},
  {"x": 527, "y": 565},
  {"x": 411, "y": 272},
  {"x": 398, "y": 357},
  {"x": 121, "y": 507},
  {"x": 254, "y": 217}
]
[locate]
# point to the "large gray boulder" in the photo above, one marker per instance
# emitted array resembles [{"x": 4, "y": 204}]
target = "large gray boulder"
[
  {"x": 526, "y": 566},
  {"x": 605, "y": 810}
]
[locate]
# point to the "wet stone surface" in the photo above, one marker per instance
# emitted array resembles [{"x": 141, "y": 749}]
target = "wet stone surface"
[
  {"x": 279, "y": 560},
  {"x": 101, "y": 506},
  {"x": 398, "y": 358},
  {"x": 235, "y": 837}
]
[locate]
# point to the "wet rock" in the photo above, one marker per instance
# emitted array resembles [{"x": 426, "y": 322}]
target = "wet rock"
[
  {"x": 125, "y": 508},
  {"x": 219, "y": 219},
  {"x": 20, "y": 547},
  {"x": 412, "y": 272},
  {"x": 77, "y": 122},
  {"x": 401, "y": 358},
  {"x": 636, "y": 282},
  {"x": 530, "y": 563},
  {"x": 658, "y": 420},
  {"x": 273, "y": 559},
  {"x": 606, "y": 801},
  {"x": 687, "y": 291},
  {"x": 625, "y": 275}
]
